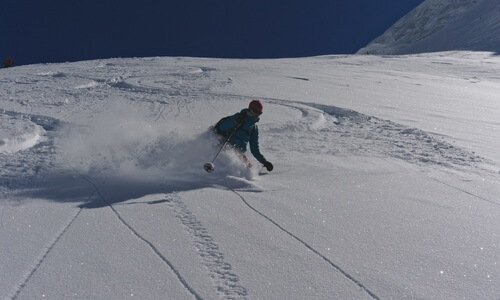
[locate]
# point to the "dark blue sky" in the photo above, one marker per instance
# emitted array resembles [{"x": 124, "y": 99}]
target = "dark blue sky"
[{"x": 39, "y": 31}]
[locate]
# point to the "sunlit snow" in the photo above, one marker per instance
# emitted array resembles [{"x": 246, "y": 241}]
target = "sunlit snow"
[{"x": 385, "y": 182}]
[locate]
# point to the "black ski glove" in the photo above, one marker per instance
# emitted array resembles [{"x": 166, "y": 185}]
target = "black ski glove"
[{"x": 268, "y": 165}]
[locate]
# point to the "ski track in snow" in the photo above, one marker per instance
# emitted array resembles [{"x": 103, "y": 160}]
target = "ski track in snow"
[
  {"x": 138, "y": 235},
  {"x": 447, "y": 184},
  {"x": 51, "y": 245},
  {"x": 179, "y": 91},
  {"x": 227, "y": 282},
  {"x": 352, "y": 132},
  {"x": 335, "y": 266},
  {"x": 464, "y": 191},
  {"x": 43, "y": 255},
  {"x": 156, "y": 251}
]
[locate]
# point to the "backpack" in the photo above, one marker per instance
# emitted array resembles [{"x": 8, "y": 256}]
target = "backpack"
[{"x": 241, "y": 118}]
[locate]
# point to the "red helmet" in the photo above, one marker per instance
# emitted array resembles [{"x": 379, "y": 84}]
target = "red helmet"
[{"x": 255, "y": 106}]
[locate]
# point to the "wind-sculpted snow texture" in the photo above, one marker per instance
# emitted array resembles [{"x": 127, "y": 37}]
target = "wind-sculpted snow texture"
[
  {"x": 442, "y": 25},
  {"x": 385, "y": 183}
]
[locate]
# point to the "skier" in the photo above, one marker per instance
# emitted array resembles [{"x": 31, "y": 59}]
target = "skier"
[
  {"x": 245, "y": 131},
  {"x": 8, "y": 63}
]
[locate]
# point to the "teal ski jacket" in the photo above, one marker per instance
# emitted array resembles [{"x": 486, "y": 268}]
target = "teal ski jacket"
[{"x": 246, "y": 132}]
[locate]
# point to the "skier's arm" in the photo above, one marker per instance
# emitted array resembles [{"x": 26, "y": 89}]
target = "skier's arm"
[{"x": 254, "y": 146}]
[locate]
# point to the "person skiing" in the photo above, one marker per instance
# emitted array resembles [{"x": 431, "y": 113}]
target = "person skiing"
[
  {"x": 242, "y": 129},
  {"x": 8, "y": 63}
]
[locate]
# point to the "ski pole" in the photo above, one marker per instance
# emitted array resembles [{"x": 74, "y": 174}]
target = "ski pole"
[{"x": 209, "y": 166}]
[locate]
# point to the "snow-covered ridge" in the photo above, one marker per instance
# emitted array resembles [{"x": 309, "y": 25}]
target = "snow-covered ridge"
[{"x": 442, "y": 25}]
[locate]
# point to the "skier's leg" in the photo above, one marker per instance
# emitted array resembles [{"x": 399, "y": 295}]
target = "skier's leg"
[{"x": 245, "y": 159}]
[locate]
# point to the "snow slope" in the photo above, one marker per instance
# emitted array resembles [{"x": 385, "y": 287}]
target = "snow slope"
[
  {"x": 385, "y": 183},
  {"x": 441, "y": 25}
]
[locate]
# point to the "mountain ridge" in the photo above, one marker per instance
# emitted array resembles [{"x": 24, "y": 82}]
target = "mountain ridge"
[{"x": 437, "y": 25}]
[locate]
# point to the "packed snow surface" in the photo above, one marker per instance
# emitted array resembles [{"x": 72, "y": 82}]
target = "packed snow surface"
[{"x": 385, "y": 186}]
